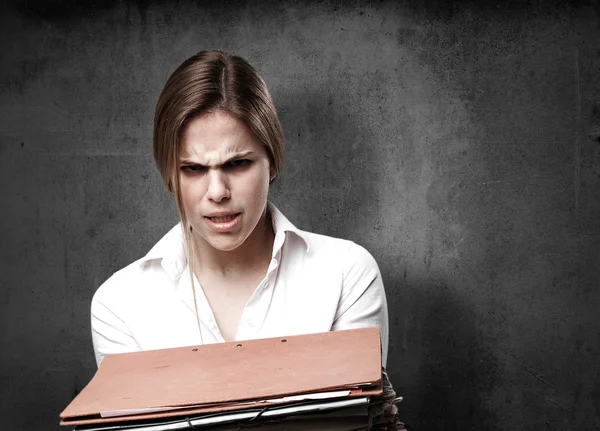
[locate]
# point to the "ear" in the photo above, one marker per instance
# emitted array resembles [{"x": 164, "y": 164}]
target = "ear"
[
  {"x": 272, "y": 175},
  {"x": 171, "y": 184}
]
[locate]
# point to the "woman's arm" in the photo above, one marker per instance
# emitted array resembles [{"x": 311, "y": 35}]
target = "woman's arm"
[
  {"x": 363, "y": 302},
  {"x": 110, "y": 333}
]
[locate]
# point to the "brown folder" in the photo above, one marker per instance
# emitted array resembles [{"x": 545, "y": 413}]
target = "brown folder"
[{"x": 228, "y": 376}]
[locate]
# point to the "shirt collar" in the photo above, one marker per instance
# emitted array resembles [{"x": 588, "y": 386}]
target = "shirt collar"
[
  {"x": 281, "y": 225},
  {"x": 170, "y": 249}
]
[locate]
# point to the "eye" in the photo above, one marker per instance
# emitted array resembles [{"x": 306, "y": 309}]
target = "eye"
[
  {"x": 239, "y": 163},
  {"x": 192, "y": 169}
]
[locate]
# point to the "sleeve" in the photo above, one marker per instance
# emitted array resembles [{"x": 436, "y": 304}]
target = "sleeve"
[
  {"x": 363, "y": 302},
  {"x": 110, "y": 333}
]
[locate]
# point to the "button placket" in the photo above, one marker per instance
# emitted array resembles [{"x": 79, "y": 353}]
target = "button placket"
[{"x": 254, "y": 313}]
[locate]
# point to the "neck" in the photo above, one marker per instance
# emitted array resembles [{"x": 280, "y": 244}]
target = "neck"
[{"x": 253, "y": 254}]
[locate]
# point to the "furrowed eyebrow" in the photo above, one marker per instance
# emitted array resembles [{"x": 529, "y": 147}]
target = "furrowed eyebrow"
[
  {"x": 238, "y": 156},
  {"x": 188, "y": 162}
]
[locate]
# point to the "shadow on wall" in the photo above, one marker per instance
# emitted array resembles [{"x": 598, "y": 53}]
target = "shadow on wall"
[{"x": 456, "y": 371}]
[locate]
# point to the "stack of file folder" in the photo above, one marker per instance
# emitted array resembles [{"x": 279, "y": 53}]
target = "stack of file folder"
[{"x": 305, "y": 382}]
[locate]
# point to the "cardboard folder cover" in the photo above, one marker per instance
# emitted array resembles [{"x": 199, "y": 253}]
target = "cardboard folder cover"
[{"x": 211, "y": 377}]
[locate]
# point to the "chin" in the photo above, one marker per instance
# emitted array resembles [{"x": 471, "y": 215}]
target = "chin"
[{"x": 225, "y": 245}]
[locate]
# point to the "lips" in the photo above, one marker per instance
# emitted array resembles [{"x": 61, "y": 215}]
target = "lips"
[
  {"x": 223, "y": 222},
  {"x": 223, "y": 219}
]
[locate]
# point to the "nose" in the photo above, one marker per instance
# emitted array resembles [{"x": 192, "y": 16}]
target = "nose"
[{"x": 218, "y": 188}]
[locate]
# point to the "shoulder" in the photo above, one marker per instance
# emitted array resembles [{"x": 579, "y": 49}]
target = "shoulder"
[
  {"x": 140, "y": 276},
  {"x": 120, "y": 287},
  {"x": 336, "y": 253},
  {"x": 347, "y": 254}
]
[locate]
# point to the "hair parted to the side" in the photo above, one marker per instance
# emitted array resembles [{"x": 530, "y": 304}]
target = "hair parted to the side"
[{"x": 207, "y": 82}]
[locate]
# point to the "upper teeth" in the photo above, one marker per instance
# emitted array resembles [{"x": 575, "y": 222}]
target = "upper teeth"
[{"x": 223, "y": 219}]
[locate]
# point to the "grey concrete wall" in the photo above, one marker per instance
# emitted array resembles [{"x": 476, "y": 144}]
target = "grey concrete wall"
[{"x": 458, "y": 142}]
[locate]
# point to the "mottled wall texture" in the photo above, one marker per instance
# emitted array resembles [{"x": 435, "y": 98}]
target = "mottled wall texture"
[{"x": 458, "y": 142}]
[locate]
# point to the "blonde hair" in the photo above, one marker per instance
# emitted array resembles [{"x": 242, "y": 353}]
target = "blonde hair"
[{"x": 212, "y": 81}]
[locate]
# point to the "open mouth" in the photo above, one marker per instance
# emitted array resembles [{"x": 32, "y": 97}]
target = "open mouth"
[
  {"x": 223, "y": 219},
  {"x": 223, "y": 223}
]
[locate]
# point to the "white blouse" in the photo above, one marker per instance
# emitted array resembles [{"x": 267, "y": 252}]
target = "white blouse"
[{"x": 314, "y": 283}]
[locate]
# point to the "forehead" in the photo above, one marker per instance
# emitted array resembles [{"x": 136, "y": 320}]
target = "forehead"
[{"x": 213, "y": 136}]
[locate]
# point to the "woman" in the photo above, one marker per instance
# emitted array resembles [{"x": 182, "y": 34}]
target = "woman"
[{"x": 234, "y": 268}]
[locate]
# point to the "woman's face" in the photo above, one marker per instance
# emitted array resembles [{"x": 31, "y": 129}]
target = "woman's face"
[{"x": 224, "y": 180}]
